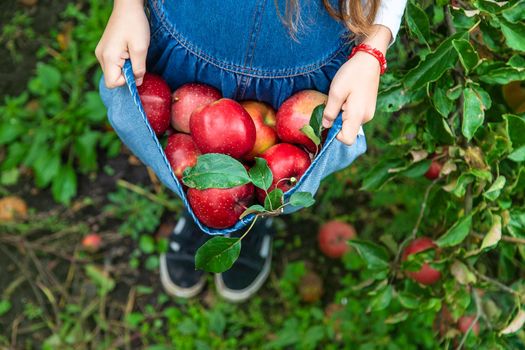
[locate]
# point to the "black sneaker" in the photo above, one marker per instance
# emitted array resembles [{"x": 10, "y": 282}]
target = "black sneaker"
[
  {"x": 177, "y": 266},
  {"x": 251, "y": 270}
]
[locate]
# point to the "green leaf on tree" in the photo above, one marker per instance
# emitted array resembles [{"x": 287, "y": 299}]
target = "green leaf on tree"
[
  {"x": 310, "y": 133},
  {"x": 218, "y": 254},
  {"x": 434, "y": 65},
  {"x": 473, "y": 112},
  {"x": 215, "y": 170},
  {"x": 302, "y": 199},
  {"x": 514, "y": 34},
  {"x": 417, "y": 21},
  {"x": 380, "y": 174},
  {"x": 457, "y": 233},
  {"x": 274, "y": 199},
  {"x": 515, "y": 130},
  {"x": 374, "y": 255},
  {"x": 467, "y": 54},
  {"x": 518, "y": 155},
  {"x": 254, "y": 209},
  {"x": 495, "y": 189},
  {"x": 382, "y": 299},
  {"x": 260, "y": 174},
  {"x": 494, "y": 235}
]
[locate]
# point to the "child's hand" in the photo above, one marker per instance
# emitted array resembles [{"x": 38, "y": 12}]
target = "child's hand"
[
  {"x": 126, "y": 36},
  {"x": 354, "y": 88}
]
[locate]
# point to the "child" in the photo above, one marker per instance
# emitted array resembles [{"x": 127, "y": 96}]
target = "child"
[{"x": 252, "y": 49}]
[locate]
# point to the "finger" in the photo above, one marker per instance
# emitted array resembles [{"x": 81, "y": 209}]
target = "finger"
[
  {"x": 351, "y": 124},
  {"x": 113, "y": 76},
  {"x": 333, "y": 106},
  {"x": 137, "y": 55}
]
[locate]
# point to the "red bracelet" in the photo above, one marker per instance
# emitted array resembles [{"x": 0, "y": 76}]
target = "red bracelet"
[{"x": 372, "y": 51}]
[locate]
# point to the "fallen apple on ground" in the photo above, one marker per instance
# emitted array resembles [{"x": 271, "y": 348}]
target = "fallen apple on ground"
[
  {"x": 181, "y": 152},
  {"x": 333, "y": 238},
  {"x": 426, "y": 274},
  {"x": 224, "y": 127},
  {"x": 92, "y": 242},
  {"x": 155, "y": 95},
  {"x": 294, "y": 114},
  {"x": 12, "y": 208},
  {"x": 311, "y": 287},
  {"x": 186, "y": 99}
]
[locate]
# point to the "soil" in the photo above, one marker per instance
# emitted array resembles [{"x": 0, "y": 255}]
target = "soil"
[{"x": 14, "y": 73}]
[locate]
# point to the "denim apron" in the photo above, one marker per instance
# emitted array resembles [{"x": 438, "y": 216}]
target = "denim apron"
[{"x": 243, "y": 49}]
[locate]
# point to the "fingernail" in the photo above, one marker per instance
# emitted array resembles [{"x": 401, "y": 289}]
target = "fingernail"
[{"x": 139, "y": 82}]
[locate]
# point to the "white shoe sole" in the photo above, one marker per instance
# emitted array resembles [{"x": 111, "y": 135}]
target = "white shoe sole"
[
  {"x": 238, "y": 296},
  {"x": 172, "y": 288}
]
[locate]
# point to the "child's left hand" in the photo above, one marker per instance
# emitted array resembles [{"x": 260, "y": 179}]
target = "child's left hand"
[{"x": 354, "y": 88}]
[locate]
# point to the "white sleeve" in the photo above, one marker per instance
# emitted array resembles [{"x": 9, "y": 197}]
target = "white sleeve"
[{"x": 389, "y": 15}]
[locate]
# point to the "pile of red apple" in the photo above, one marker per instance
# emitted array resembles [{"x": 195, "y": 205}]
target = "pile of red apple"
[{"x": 198, "y": 120}]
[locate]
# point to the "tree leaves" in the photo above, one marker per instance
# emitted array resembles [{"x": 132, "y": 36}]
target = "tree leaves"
[
  {"x": 274, "y": 200},
  {"x": 417, "y": 21},
  {"x": 218, "y": 254},
  {"x": 457, "y": 233},
  {"x": 374, "y": 255},
  {"x": 434, "y": 65},
  {"x": 467, "y": 54},
  {"x": 516, "y": 324},
  {"x": 64, "y": 186},
  {"x": 315, "y": 127},
  {"x": 475, "y": 101},
  {"x": 514, "y": 34},
  {"x": 302, "y": 199},
  {"x": 215, "y": 170}
]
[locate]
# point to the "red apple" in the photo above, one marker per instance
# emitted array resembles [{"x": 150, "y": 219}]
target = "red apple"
[
  {"x": 434, "y": 170},
  {"x": 188, "y": 98},
  {"x": 223, "y": 126},
  {"x": 155, "y": 96},
  {"x": 92, "y": 242},
  {"x": 426, "y": 275},
  {"x": 263, "y": 117},
  {"x": 295, "y": 113},
  {"x": 220, "y": 207},
  {"x": 464, "y": 323},
  {"x": 333, "y": 238},
  {"x": 286, "y": 162},
  {"x": 181, "y": 152}
]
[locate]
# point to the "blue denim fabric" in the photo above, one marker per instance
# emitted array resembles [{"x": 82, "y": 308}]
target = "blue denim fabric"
[{"x": 244, "y": 50}]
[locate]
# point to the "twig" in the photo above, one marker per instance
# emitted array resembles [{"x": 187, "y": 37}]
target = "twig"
[
  {"x": 418, "y": 222},
  {"x": 479, "y": 312},
  {"x": 496, "y": 283},
  {"x": 503, "y": 238},
  {"x": 139, "y": 190},
  {"x": 468, "y": 199}
]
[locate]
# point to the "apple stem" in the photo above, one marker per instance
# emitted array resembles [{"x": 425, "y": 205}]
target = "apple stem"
[{"x": 249, "y": 228}]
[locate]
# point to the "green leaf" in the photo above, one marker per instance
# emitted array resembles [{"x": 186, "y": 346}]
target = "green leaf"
[
  {"x": 514, "y": 34},
  {"x": 215, "y": 170},
  {"x": 316, "y": 120},
  {"x": 442, "y": 103},
  {"x": 458, "y": 187},
  {"x": 49, "y": 76},
  {"x": 382, "y": 299},
  {"x": 515, "y": 130},
  {"x": 302, "y": 199},
  {"x": 101, "y": 278},
  {"x": 94, "y": 108},
  {"x": 147, "y": 244},
  {"x": 439, "y": 129},
  {"x": 434, "y": 65},
  {"x": 374, "y": 255},
  {"x": 518, "y": 155},
  {"x": 218, "y": 254},
  {"x": 393, "y": 98},
  {"x": 515, "y": 13},
  {"x": 10, "y": 131},
  {"x": 467, "y": 54},
  {"x": 495, "y": 189},
  {"x": 494, "y": 235},
  {"x": 516, "y": 324},
  {"x": 274, "y": 199},
  {"x": 473, "y": 112},
  {"x": 380, "y": 174},
  {"x": 260, "y": 174},
  {"x": 5, "y": 306},
  {"x": 310, "y": 133},
  {"x": 417, "y": 169},
  {"x": 254, "y": 209},
  {"x": 462, "y": 273},
  {"x": 417, "y": 21},
  {"x": 64, "y": 185},
  {"x": 46, "y": 168},
  {"x": 86, "y": 150},
  {"x": 457, "y": 233},
  {"x": 408, "y": 301}
]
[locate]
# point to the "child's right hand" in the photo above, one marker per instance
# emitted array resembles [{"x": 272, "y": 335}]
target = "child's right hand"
[{"x": 126, "y": 36}]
